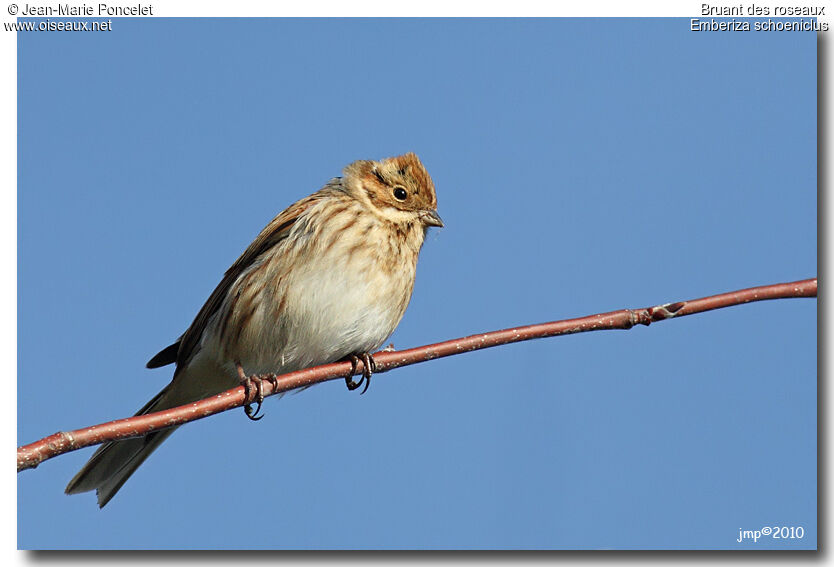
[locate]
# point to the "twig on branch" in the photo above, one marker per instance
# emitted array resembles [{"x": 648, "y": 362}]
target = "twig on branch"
[{"x": 30, "y": 456}]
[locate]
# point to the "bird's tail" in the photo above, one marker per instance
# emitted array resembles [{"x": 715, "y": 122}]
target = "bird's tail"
[{"x": 113, "y": 463}]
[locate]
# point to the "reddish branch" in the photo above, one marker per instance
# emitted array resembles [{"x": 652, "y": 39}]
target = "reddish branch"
[{"x": 30, "y": 456}]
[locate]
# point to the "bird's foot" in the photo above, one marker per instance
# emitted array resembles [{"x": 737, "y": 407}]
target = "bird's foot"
[
  {"x": 248, "y": 382},
  {"x": 368, "y": 368}
]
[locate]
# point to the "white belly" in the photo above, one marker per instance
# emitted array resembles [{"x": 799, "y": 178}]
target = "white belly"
[{"x": 334, "y": 306}]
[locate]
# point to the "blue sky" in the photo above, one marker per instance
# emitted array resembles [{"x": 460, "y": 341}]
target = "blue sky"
[{"x": 581, "y": 166}]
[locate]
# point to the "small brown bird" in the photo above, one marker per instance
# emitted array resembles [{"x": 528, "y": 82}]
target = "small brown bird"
[{"x": 329, "y": 278}]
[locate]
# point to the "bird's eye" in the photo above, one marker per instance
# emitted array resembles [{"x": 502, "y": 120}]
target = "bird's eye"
[{"x": 400, "y": 194}]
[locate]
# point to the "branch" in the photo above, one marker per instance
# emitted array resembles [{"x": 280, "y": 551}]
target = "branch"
[{"x": 30, "y": 456}]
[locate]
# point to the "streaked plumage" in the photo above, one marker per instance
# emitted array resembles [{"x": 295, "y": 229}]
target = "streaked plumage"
[{"x": 329, "y": 277}]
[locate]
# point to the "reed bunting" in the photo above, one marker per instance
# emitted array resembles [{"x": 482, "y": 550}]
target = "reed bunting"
[{"x": 328, "y": 279}]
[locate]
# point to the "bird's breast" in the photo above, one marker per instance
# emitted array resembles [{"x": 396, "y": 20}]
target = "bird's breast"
[{"x": 317, "y": 300}]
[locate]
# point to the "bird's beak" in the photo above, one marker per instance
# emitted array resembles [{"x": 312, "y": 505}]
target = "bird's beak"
[{"x": 431, "y": 218}]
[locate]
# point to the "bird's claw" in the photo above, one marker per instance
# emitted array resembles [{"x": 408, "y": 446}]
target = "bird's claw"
[
  {"x": 368, "y": 368},
  {"x": 253, "y": 415},
  {"x": 258, "y": 381}
]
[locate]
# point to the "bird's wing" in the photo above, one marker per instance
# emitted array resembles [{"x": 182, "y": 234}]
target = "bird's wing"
[
  {"x": 166, "y": 356},
  {"x": 188, "y": 344}
]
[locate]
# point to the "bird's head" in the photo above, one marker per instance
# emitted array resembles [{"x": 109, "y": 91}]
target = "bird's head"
[{"x": 399, "y": 188}]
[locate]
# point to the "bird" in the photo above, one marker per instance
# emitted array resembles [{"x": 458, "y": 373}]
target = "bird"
[{"x": 328, "y": 279}]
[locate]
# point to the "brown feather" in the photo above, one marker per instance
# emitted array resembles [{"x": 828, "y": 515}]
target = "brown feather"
[{"x": 271, "y": 235}]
